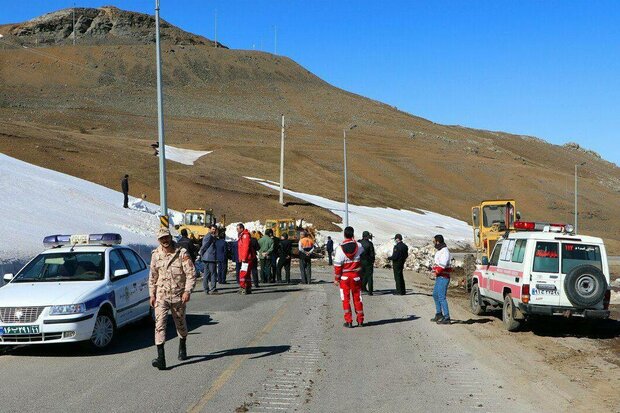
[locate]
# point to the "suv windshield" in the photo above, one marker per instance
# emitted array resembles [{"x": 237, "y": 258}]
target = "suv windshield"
[
  {"x": 580, "y": 254},
  {"x": 64, "y": 266}
]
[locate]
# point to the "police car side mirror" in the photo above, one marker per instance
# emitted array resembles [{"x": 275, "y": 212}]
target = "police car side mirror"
[
  {"x": 8, "y": 277},
  {"x": 120, "y": 273},
  {"x": 485, "y": 261}
]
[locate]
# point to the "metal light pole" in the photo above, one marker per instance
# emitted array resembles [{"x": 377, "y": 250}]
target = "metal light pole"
[
  {"x": 346, "y": 187},
  {"x": 576, "y": 165},
  {"x": 282, "y": 165},
  {"x": 160, "y": 126}
]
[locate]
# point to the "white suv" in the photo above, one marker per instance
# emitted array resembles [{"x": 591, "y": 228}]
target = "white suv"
[{"x": 545, "y": 270}]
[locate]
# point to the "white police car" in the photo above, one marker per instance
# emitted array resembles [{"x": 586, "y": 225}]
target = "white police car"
[{"x": 82, "y": 288}]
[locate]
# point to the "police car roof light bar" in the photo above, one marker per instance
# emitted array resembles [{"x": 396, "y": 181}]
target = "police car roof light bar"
[{"x": 55, "y": 241}]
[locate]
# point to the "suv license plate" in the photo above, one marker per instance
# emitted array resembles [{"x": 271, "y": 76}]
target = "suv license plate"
[{"x": 19, "y": 330}]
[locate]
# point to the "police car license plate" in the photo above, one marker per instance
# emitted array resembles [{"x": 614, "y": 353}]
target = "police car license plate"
[{"x": 19, "y": 330}]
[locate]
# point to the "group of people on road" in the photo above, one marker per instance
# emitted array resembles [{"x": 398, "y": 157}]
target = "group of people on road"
[{"x": 173, "y": 273}]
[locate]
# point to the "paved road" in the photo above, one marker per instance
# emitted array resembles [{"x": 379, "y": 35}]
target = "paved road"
[{"x": 280, "y": 349}]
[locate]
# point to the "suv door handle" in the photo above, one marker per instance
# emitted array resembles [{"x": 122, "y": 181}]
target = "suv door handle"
[{"x": 553, "y": 276}]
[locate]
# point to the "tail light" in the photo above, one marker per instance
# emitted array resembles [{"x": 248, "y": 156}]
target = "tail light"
[
  {"x": 486, "y": 244},
  {"x": 525, "y": 293},
  {"x": 607, "y": 299}
]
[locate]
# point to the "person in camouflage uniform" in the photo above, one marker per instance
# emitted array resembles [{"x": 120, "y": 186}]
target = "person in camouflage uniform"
[{"x": 171, "y": 281}]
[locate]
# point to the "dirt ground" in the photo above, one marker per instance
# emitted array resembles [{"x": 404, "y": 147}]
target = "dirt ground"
[{"x": 577, "y": 361}]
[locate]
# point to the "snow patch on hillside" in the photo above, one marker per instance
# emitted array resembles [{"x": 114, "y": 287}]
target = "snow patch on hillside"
[
  {"x": 384, "y": 223},
  {"x": 184, "y": 156},
  {"x": 38, "y": 202}
]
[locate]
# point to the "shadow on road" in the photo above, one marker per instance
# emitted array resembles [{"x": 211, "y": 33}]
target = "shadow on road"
[
  {"x": 473, "y": 321},
  {"x": 569, "y": 327},
  {"x": 266, "y": 291},
  {"x": 390, "y": 321},
  {"x": 393, "y": 292},
  {"x": 129, "y": 338},
  {"x": 579, "y": 328},
  {"x": 263, "y": 351}
]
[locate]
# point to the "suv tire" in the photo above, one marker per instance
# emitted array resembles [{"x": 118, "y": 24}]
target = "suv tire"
[
  {"x": 585, "y": 286},
  {"x": 475, "y": 301},
  {"x": 508, "y": 314}
]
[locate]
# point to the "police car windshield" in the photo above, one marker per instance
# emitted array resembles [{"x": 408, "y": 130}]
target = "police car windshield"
[{"x": 64, "y": 266}]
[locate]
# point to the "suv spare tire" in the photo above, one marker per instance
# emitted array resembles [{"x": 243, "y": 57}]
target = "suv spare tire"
[{"x": 585, "y": 286}]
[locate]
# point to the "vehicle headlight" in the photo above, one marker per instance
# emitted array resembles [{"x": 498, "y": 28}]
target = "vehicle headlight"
[{"x": 68, "y": 309}]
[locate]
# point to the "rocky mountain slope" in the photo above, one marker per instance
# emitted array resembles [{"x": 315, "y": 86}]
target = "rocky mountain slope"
[{"x": 90, "y": 110}]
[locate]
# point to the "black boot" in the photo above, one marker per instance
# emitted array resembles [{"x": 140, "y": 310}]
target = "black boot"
[
  {"x": 182, "y": 349},
  {"x": 160, "y": 361},
  {"x": 348, "y": 325},
  {"x": 437, "y": 317}
]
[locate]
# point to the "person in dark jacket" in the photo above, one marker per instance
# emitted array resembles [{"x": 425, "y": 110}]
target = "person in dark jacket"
[
  {"x": 255, "y": 247},
  {"x": 274, "y": 257},
  {"x": 330, "y": 250},
  {"x": 188, "y": 244},
  {"x": 209, "y": 258},
  {"x": 233, "y": 247},
  {"x": 285, "y": 251},
  {"x": 221, "y": 254},
  {"x": 367, "y": 260},
  {"x": 398, "y": 258},
  {"x": 125, "y": 188}
]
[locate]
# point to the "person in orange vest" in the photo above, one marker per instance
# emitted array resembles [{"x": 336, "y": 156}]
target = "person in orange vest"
[
  {"x": 247, "y": 258},
  {"x": 306, "y": 248},
  {"x": 347, "y": 270}
]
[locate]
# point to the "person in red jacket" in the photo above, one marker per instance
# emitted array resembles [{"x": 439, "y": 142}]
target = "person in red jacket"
[
  {"x": 247, "y": 258},
  {"x": 347, "y": 270}
]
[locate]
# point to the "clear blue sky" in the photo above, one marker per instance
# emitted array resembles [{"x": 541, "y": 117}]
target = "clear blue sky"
[{"x": 545, "y": 68}]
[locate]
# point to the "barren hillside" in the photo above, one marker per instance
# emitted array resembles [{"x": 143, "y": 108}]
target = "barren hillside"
[{"x": 90, "y": 110}]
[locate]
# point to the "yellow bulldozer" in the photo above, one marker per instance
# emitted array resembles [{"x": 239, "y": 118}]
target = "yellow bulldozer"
[
  {"x": 289, "y": 226},
  {"x": 490, "y": 220},
  {"x": 197, "y": 223}
]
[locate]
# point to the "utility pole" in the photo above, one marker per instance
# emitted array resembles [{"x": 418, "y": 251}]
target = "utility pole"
[
  {"x": 576, "y": 165},
  {"x": 74, "y": 24},
  {"x": 215, "y": 28},
  {"x": 282, "y": 164},
  {"x": 346, "y": 187},
  {"x": 160, "y": 127},
  {"x": 275, "y": 40}
]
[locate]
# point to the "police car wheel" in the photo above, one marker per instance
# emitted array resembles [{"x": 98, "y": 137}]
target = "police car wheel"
[
  {"x": 508, "y": 314},
  {"x": 585, "y": 286},
  {"x": 475, "y": 301},
  {"x": 103, "y": 331}
]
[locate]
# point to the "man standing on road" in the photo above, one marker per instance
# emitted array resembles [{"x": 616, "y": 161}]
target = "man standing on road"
[
  {"x": 368, "y": 262},
  {"x": 221, "y": 253},
  {"x": 330, "y": 249},
  {"x": 265, "y": 251},
  {"x": 274, "y": 257},
  {"x": 442, "y": 269},
  {"x": 171, "y": 280},
  {"x": 188, "y": 244},
  {"x": 306, "y": 248},
  {"x": 398, "y": 258},
  {"x": 285, "y": 251},
  {"x": 209, "y": 258},
  {"x": 247, "y": 257},
  {"x": 347, "y": 269},
  {"x": 233, "y": 247},
  {"x": 255, "y": 248},
  {"x": 125, "y": 188}
]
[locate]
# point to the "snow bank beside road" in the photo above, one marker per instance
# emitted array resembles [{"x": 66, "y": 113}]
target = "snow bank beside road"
[
  {"x": 384, "y": 223},
  {"x": 38, "y": 202},
  {"x": 184, "y": 156}
]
